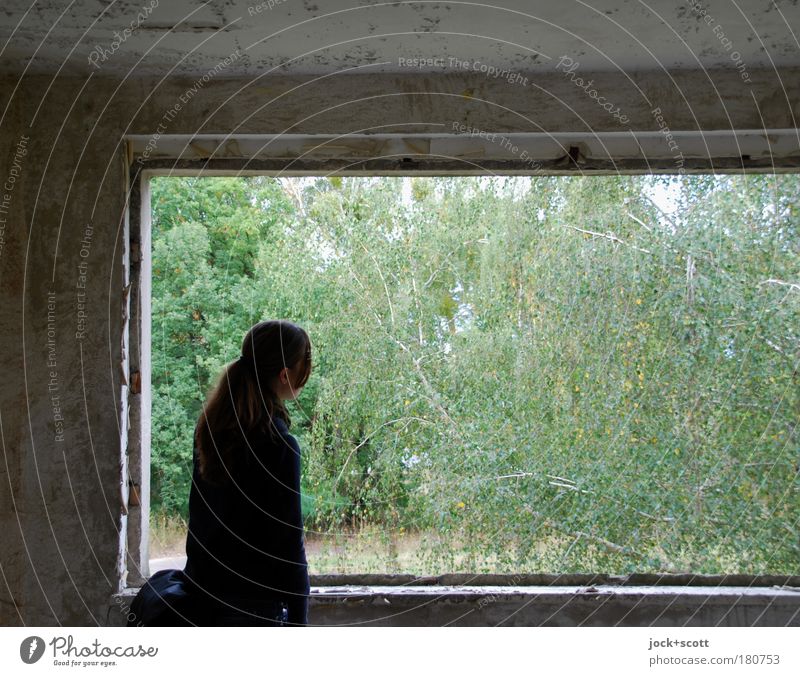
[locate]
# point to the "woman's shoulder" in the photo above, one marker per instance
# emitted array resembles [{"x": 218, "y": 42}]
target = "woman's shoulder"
[
  {"x": 270, "y": 446},
  {"x": 281, "y": 424},
  {"x": 274, "y": 432},
  {"x": 276, "y": 428}
]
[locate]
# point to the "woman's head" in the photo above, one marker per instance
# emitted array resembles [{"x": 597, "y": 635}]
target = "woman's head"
[
  {"x": 278, "y": 354},
  {"x": 274, "y": 366}
]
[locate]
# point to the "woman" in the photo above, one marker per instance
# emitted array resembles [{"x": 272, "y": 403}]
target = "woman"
[{"x": 246, "y": 560}]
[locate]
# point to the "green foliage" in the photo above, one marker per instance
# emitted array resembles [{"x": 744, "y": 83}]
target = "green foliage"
[{"x": 543, "y": 371}]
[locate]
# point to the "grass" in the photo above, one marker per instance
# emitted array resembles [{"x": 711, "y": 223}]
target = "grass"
[
  {"x": 368, "y": 550},
  {"x": 167, "y": 536},
  {"x": 373, "y": 549}
]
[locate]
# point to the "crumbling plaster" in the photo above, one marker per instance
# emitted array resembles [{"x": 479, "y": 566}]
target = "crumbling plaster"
[{"x": 315, "y": 36}]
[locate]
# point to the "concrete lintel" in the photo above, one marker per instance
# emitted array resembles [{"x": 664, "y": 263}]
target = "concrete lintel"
[
  {"x": 470, "y": 150},
  {"x": 414, "y": 103}
]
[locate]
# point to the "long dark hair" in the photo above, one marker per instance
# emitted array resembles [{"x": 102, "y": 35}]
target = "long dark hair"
[{"x": 242, "y": 401}]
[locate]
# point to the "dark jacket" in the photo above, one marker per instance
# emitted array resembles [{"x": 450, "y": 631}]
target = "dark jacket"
[{"x": 245, "y": 539}]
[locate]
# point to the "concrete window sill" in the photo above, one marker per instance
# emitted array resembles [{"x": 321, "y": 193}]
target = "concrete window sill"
[{"x": 358, "y": 601}]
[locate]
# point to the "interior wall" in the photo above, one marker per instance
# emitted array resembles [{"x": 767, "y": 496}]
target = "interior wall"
[{"x": 63, "y": 399}]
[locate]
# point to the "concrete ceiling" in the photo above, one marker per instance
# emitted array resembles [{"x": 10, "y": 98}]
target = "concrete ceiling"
[{"x": 189, "y": 37}]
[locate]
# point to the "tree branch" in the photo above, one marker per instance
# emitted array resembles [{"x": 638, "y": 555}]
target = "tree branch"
[
  {"x": 609, "y": 235},
  {"x": 792, "y": 285}
]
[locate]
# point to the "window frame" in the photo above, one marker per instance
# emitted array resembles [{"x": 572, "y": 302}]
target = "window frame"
[{"x": 312, "y": 156}]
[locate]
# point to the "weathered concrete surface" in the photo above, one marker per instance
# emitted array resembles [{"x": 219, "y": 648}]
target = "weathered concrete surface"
[
  {"x": 63, "y": 410},
  {"x": 551, "y": 606},
  {"x": 321, "y": 37},
  {"x": 60, "y": 501}
]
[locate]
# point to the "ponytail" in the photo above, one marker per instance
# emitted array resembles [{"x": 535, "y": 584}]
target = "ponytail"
[
  {"x": 237, "y": 407},
  {"x": 242, "y": 403}
]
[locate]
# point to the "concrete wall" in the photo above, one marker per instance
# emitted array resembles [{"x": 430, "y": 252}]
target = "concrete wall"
[{"x": 63, "y": 406}]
